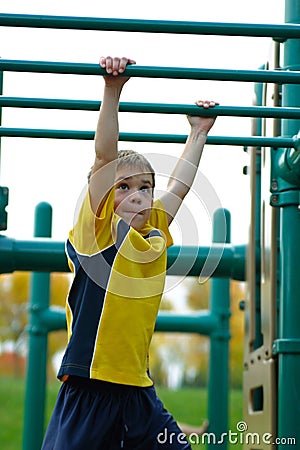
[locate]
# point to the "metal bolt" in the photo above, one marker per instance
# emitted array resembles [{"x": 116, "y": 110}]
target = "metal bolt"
[
  {"x": 242, "y": 305},
  {"x": 274, "y": 184}
]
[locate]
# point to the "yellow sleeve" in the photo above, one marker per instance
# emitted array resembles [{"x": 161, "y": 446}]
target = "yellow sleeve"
[
  {"x": 159, "y": 220},
  {"x": 92, "y": 233}
]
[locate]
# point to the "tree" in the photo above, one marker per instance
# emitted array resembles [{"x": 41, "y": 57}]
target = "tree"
[
  {"x": 198, "y": 298},
  {"x": 237, "y": 293},
  {"x": 13, "y": 313},
  {"x": 189, "y": 352},
  {"x": 181, "y": 358},
  {"x": 14, "y": 301}
]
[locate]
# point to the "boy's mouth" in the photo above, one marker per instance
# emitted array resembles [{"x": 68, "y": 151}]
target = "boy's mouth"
[{"x": 136, "y": 212}]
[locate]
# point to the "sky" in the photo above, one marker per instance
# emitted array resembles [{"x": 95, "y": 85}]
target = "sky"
[{"x": 55, "y": 171}]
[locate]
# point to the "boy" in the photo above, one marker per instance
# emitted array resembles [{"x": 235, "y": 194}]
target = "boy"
[{"x": 117, "y": 251}]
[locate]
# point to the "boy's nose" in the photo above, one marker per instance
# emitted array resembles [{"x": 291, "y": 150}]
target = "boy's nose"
[{"x": 136, "y": 196}]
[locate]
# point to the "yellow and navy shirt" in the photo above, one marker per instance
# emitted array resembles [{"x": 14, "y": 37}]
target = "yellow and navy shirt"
[{"x": 119, "y": 277}]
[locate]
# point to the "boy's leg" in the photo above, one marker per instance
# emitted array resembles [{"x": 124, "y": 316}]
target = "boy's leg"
[
  {"x": 103, "y": 416},
  {"x": 172, "y": 437},
  {"x": 83, "y": 419},
  {"x": 149, "y": 426}
]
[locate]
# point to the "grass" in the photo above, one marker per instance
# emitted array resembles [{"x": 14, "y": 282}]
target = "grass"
[{"x": 187, "y": 405}]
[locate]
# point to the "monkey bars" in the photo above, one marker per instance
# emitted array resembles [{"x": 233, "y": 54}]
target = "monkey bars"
[
  {"x": 43, "y": 254},
  {"x": 251, "y": 141},
  {"x": 259, "y": 76},
  {"x": 151, "y": 26}
]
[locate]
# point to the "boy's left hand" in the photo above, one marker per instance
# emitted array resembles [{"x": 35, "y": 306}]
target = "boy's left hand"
[
  {"x": 204, "y": 123},
  {"x": 115, "y": 66}
]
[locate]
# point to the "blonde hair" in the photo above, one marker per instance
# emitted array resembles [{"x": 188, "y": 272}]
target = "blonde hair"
[{"x": 131, "y": 158}]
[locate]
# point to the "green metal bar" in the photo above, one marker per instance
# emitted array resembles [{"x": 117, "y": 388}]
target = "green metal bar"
[
  {"x": 203, "y": 322},
  {"x": 264, "y": 76},
  {"x": 149, "y": 26},
  {"x": 147, "y": 137},
  {"x": 289, "y": 164},
  {"x": 218, "y": 382},
  {"x": 289, "y": 330},
  {"x": 52, "y": 319},
  {"x": 34, "y": 410},
  {"x": 156, "y": 108},
  {"x": 1, "y": 92},
  {"x": 259, "y": 91},
  {"x": 255, "y": 241},
  {"x": 46, "y": 255},
  {"x": 3, "y": 190}
]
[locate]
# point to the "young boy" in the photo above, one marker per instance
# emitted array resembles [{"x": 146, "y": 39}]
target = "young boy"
[{"x": 117, "y": 251}]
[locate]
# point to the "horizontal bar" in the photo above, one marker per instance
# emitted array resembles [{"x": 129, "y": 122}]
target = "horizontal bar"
[
  {"x": 46, "y": 255},
  {"x": 52, "y": 319},
  {"x": 203, "y": 322},
  {"x": 248, "y": 141},
  {"x": 150, "y": 26},
  {"x": 260, "y": 76},
  {"x": 39, "y": 254},
  {"x": 155, "y": 108},
  {"x": 229, "y": 260},
  {"x": 288, "y": 345}
]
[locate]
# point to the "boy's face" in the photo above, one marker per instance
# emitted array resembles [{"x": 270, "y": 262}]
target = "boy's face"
[{"x": 133, "y": 196}]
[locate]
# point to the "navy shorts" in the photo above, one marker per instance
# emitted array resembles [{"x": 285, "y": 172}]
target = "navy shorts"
[{"x": 97, "y": 415}]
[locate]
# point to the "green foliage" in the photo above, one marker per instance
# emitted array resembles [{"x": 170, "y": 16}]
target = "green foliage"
[
  {"x": 14, "y": 292},
  {"x": 190, "y": 352}
]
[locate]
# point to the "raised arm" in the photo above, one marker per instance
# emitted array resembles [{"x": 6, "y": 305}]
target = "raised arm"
[
  {"x": 186, "y": 168},
  {"x": 107, "y": 131}
]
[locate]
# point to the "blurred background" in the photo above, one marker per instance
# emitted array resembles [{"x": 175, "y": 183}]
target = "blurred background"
[{"x": 55, "y": 171}]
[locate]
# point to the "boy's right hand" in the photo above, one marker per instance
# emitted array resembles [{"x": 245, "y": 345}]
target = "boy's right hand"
[{"x": 114, "y": 67}]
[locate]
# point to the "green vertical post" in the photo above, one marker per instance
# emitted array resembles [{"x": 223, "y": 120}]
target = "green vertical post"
[
  {"x": 1, "y": 93},
  {"x": 218, "y": 384},
  {"x": 35, "y": 394},
  {"x": 288, "y": 343},
  {"x": 258, "y": 335}
]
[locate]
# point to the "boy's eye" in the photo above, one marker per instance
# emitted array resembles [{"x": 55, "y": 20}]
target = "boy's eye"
[
  {"x": 146, "y": 189},
  {"x": 123, "y": 186}
]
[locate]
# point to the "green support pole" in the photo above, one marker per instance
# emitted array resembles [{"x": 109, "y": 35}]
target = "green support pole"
[
  {"x": 288, "y": 344},
  {"x": 1, "y": 93},
  {"x": 37, "y": 352},
  {"x": 258, "y": 336},
  {"x": 218, "y": 385},
  {"x": 3, "y": 189}
]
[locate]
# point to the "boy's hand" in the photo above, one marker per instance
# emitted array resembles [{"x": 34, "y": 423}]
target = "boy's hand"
[
  {"x": 114, "y": 67},
  {"x": 204, "y": 124}
]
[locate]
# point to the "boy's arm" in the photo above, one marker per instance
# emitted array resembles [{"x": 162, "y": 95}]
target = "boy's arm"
[
  {"x": 107, "y": 131},
  {"x": 186, "y": 168}
]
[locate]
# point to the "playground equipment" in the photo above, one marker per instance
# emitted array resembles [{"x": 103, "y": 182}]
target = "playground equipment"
[{"x": 272, "y": 337}]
